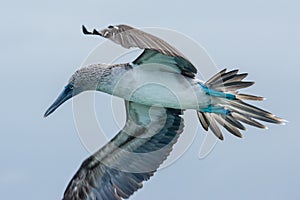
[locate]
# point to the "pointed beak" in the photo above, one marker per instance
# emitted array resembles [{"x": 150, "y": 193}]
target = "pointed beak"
[{"x": 66, "y": 94}]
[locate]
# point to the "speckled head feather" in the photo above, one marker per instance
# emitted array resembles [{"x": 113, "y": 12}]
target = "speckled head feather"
[
  {"x": 94, "y": 77},
  {"x": 88, "y": 77}
]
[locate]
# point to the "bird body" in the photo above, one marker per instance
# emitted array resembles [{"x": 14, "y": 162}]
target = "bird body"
[
  {"x": 157, "y": 87},
  {"x": 149, "y": 85}
]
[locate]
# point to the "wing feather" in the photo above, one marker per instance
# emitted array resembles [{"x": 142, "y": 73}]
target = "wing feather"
[
  {"x": 119, "y": 168},
  {"x": 129, "y": 37}
]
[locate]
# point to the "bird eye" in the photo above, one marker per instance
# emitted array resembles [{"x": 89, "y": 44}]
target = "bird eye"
[{"x": 70, "y": 87}]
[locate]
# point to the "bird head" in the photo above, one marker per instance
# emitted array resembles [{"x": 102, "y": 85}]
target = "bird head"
[{"x": 84, "y": 79}]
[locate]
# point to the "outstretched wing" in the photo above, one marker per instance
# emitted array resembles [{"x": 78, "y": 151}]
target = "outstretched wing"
[
  {"x": 154, "y": 47},
  {"x": 118, "y": 169}
]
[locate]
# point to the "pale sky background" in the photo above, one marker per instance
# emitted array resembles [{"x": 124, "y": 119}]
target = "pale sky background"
[{"x": 42, "y": 45}]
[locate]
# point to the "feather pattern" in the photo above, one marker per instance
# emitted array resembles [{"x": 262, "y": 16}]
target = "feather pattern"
[
  {"x": 118, "y": 169},
  {"x": 203, "y": 120},
  {"x": 129, "y": 37},
  {"x": 247, "y": 120},
  {"x": 223, "y": 88},
  {"x": 213, "y": 126},
  {"x": 228, "y": 126}
]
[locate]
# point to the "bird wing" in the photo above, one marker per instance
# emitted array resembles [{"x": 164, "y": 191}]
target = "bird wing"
[
  {"x": 118, "y": 169},
  {"x": 154, "y": 47}
]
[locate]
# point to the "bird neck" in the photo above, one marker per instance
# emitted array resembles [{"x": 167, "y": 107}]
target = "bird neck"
[{"x": 111, "y": 76}]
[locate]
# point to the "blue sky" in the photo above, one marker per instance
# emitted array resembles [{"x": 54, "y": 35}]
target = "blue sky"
[{"x": 42, "y": 45}]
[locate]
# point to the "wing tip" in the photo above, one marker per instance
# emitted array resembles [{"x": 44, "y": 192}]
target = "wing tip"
[{"x": 85, "y": 31}]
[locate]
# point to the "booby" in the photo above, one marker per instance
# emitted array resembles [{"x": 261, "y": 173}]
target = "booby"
[{"x": 157, "y": 87}]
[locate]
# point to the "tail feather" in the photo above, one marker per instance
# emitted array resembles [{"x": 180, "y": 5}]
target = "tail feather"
[
  {"x": 203, "y": 121},
  {"x": 231, "y": 120},
  {"x": 248, "y": 108},
  {"x": 247, "y": 120},
  {"x": 249, "y": 97},
  {"x": 228, "y": 126},
  {"x": 216, "y": 77},
  {"x": 254, "y": 112},
  {"x": 238, "y": 111},
  {"x": 234, "y": 78},
  {"x": 213, "y": 125},
  {"x": 223, "y": 78},
  {"x": 233, "y": 86}
]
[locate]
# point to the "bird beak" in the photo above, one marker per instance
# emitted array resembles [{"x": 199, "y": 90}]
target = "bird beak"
[{"x": 66, "y": 94}]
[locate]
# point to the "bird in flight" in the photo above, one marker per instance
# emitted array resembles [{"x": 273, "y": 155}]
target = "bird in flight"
[{"x": 157, "y": 87}]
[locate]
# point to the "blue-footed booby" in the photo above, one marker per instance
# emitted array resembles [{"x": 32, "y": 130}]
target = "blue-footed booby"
[{"x": 157, "y": 87}]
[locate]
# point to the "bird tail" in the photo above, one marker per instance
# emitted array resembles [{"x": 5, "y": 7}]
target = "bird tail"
[{"x": 228, "y": 108}]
